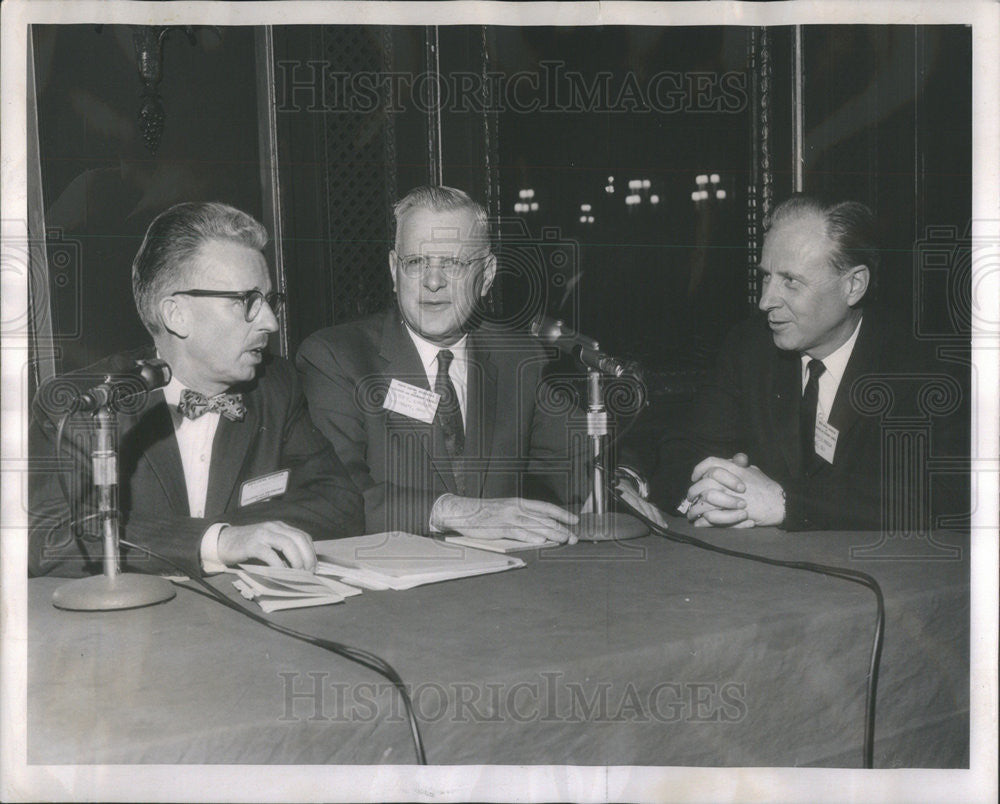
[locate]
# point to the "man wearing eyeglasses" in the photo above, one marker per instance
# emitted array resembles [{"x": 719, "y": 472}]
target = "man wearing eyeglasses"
[
  {"x": 223, "y": 464},
  {"x": 435, "y": 416}
]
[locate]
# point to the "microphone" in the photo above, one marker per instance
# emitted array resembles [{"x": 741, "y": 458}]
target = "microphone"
[
  {"x": 143, "y": 377},
  {"x": 586, "y": 350}
]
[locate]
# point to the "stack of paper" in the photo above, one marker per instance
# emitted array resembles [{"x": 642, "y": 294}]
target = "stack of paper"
[
  {"x": 276, "y": 588},
  {"x": 499, "y": 545},
  {"x": 401, "y": 560}
]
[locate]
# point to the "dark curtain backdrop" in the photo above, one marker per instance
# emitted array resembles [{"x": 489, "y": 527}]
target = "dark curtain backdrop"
[
  {"x": 887, "y": 121},
  {"x": 101, "y": 187}
]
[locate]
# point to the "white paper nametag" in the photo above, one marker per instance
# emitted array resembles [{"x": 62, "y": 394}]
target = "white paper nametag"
[
  {"x": 264, "y": 487},
  {"x": 826, "y": 440},
  {"x": 411, "y": 401}
]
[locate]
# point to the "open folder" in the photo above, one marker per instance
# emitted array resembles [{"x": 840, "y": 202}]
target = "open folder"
[{"x": 397, "y": 560}]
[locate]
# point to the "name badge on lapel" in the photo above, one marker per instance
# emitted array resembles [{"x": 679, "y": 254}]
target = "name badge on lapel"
[
  {"x": 826, "y": 440},
  {"x": 411, "y": 401},
  {"x": 264, "y": 487}
]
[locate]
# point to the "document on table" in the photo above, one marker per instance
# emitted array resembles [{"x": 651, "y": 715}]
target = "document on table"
[
  {"x": 499, "y": 545},
  {"x": 277, "y": 588},
  {"x": 397, "y": 560}
]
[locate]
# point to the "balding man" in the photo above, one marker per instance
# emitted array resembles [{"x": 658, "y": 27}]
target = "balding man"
[
  {"x": 442, "y": 423},
  {"x": 777, "y": 439}
]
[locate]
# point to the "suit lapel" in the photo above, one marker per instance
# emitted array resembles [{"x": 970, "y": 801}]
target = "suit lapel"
[
  {"x": 864, "y": 359},
  {"x": 229, "y": 451},
  {"x": 787, "y": 384},
  {"x": 481, "y": 407},
  {"x": 402, "y": 362},
  {"x": 149, "y": 437}
]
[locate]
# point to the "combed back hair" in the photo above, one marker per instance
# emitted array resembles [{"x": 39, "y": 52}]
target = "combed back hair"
[
  {"x": 172, "y": 241},
  {"x": 438, "y": 199},
  {"x": 851, "y": 227}
]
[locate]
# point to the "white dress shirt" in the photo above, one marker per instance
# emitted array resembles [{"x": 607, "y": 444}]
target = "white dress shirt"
[
  {"x": 194, "y": 441},
  {"x": 829, "y": 381},
  {"x": 458, "y": 370}
]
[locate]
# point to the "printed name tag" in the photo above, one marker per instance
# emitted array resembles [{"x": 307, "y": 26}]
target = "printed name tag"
[
  {"x": 826, "y": 440},
  {"x": 411, "y": 401},
  {"x": 264, "y": 487}
]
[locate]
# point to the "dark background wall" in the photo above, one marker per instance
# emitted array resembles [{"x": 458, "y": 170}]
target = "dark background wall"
[
  {"x": 887, "y": 121},
  {"x": 101, "y": 186}
]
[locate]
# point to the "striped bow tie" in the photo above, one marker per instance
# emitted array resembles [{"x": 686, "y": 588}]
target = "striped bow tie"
[{"x": 194, "y": 404}]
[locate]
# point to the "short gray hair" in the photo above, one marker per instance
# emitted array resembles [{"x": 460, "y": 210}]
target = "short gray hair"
[
  {"x": 438, "y": 199},
  {"x": 172, "y": 241}
]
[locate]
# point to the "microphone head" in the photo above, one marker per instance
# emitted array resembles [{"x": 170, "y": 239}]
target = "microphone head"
[
  {"x": 154, "y": 373},
  {"x": 555, "y": 333}
]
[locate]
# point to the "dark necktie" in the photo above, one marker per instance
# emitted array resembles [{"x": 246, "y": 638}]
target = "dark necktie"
[
  {"x": 194, "y": 404},
  {"x": 449, "y": 414},
  {"x": 807, "y": 413}
]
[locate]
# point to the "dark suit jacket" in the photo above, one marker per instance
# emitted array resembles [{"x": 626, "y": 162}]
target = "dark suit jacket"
[
  {"x": 752, "y": 405},
  {"x": 519, "y": 427},
  {"x": 275, "y": 435}
]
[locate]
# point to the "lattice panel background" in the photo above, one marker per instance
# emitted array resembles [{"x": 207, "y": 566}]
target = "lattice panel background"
[{"x": 360, "y": 180}]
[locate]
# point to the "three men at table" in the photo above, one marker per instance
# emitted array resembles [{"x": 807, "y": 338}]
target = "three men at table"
[
  {"x": 442, "y": 421},
  {"x": 777, "y": 438},
  {"x": 223, "y": 464}
]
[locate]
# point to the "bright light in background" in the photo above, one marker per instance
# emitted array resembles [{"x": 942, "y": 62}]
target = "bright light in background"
[
  {"x": 609, "y": 189},
  {"x": 645, "y": 184},
  {"x": 534, "y": 206},
  {"x": 590, "y": 219},
  {"x": 584, "y": 207},
  {"x": 611, "y": 179},
  {"x": 720, "y": 194},
  {"x": 701, "y": 179},
  {"x": 631, "y": 200},
  {"x": 634, "y": 184},
  {"x": 583, "y": 219},
  {"x": 715, "y": 178},
  {"x": 654, "y": 199}
]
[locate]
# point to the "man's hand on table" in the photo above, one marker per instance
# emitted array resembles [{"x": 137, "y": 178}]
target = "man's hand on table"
[
  {"x": 529, "y": 521},
  {"x": 269, "y": 542},
  {"x": 732, "y": 493}
]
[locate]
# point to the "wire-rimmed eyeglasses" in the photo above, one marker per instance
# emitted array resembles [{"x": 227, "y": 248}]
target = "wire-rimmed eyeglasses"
[{"x": 415, "y": 265}]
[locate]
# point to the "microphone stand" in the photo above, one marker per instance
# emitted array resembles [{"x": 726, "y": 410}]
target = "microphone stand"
[
  {"x": 602, "y": 525},
  {"x": 112, "y": 590}
]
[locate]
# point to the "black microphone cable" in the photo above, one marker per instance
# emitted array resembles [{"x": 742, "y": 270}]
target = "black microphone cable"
[
  {"x": 357, "y": 655},
  {"x": 854, "y": 576}
]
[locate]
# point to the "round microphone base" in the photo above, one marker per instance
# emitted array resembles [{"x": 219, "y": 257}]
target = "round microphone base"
[
  {"x": 105, "y": 593},
  {"x": 608, "y": 527}
]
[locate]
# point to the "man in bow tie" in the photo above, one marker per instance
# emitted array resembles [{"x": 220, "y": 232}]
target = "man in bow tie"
[
  {"x": 444, "y": 424},
  {"x": 223, "y": 464}
]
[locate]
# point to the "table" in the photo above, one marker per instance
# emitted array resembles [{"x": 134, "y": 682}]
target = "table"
[{"x": 645, "y": 652}]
